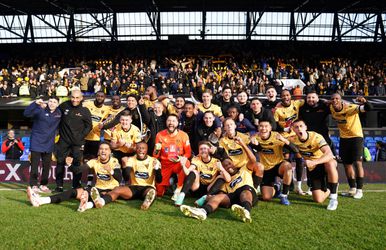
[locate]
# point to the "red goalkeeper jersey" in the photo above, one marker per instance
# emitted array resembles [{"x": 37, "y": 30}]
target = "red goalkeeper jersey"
[{"x": 172, "y": 146}]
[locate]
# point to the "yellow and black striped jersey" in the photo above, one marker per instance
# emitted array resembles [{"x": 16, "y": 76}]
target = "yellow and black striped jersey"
[
  {"x": 348, "y": 120},
  {"x": 310, "y": 148},
  {"x": 142, "y": 171},
  {"x": 131, "y": 136},
  {"x": 97, "y": 116},
  {"x": 111, "y": 115},
  {"x": 285, "y": 116},
  {"x": 234, "y": 150},
  {"x": 271, "y": 152},
  {"x": 208, "y": 170},
  {"x": 241, "y": 178},
  {"x": 104, "y": 178},
  {"x": 150, "y": 103}
]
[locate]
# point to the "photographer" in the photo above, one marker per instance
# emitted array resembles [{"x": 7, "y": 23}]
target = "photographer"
[{"x": 12, "y": 147}]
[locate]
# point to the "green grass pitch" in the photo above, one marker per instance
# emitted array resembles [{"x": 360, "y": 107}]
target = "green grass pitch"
[{"x": 357, "y": 224}]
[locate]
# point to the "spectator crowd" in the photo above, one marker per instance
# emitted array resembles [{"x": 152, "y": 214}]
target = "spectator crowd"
[{"x": 191, "y": 75}]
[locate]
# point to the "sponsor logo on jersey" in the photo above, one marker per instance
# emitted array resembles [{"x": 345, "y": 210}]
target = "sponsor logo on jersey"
[
  {"x": 206, "y": 176},
  {"x": 235, "y": 182},
  {"x": 291, "y": 118},
  {"x": 141, "y": 175},
  {"x": 309, "y": 154},
  {"x": 95, "y": 118},
  {"x": 233, "y": 152},
  {"x": 104, "y": 177},
  {"x": 267, "y": 151}
]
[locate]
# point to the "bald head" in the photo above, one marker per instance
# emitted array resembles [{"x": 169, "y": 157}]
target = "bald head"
[{"x": 76, "y": 97}]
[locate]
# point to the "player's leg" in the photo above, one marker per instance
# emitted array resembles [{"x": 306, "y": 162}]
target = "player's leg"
[
  {"x": 267, "y": 189},
  {"x": 357, "y": 157},
  {"x": 330, "y": 169},
  {"x": 46, "y": 166},
  {"x": 346, "y": 153},
  {"x": 123, "y": 192},
  {"x": 166, "y": 172},
  {"x": 213, "y": 203},
  {"x": 257, "y": 174},
  {"x": 37, "y": 201},
  {"x": 77, "y": 155},
  {"x": 62, "y": 151},
  {"x": 247, "y": 198},
  {"x": 177, "y": 169},
  {"x": 149, "y": 195},
  {"x": 318, "y": 187},
  {"x": 285, "y": 170},
  {"x": 212, "y": 189},
  {"x": 191, "y": 182},
  {"x": 34, "y": 173},
  {"x": 299, "y": 174}
]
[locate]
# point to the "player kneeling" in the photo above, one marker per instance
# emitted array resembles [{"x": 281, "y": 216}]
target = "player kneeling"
[
  {"x": 241, "y": 190},
  {"x": 108, "y": 176},
  {"x": 269, "y": 145},
  {"x": 142, "y": 171},
  {"x": 320, "y": 164}
]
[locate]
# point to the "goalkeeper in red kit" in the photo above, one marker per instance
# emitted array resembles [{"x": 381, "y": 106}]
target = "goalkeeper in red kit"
[{"x": 170, "y": 145}]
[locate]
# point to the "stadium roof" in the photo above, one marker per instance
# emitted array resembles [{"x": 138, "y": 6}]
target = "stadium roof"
[{"x": 17, "y": 7}]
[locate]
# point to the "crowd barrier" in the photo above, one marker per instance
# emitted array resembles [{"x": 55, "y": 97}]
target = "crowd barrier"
[{"x": 18, "y": 171}]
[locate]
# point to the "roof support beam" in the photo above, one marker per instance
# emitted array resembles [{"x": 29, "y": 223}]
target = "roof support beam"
[
  {"x": 155, "y": 21},
  {"x": 203, "y": 28},
  {"x": 336, "y": 34},
  {"x": 379, "y": 35},
  {"x": 114, "y": 28},
  {"x": 29, "y": 29},
  {"x": 252, "y": 16},
  {"x": 305, "y": 25},
  {"x": 103, "y": 24},
  {"x": 292, "y": 35},
  {"x": 71, "y": 29}
]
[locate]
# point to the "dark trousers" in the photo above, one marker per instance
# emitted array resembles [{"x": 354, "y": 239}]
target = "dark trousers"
[
  {"x": 63, "y": 150},
  {"x": 34, "y": 173}
]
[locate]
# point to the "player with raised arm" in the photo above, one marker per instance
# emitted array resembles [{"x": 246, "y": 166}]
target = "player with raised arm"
[
  {"x": 240, "y": 193},
  {"x": 269, "y": 145},
  {"x": 351, "y": 139}
]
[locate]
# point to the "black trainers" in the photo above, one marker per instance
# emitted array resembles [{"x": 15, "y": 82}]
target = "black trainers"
[{"x": 58, "y": 189}]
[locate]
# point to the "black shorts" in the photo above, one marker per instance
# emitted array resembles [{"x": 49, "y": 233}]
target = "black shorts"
[
  {"x": 235, "y": 196},
  {"x": 318, "y": 177},
  {"x": 139, "y": 191},
  {"x": 351, "y": 149},
  {"x": 270, "y": 175},
  {"x": 201, "y": 191},
  {"x": 91, "y": 149}
]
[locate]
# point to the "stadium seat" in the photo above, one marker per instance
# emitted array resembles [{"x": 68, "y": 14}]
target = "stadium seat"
[
  {"x": 369, "y": 138},
  {"x": 370, "y": 144},
  {"x": 378, "y": 138}
]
